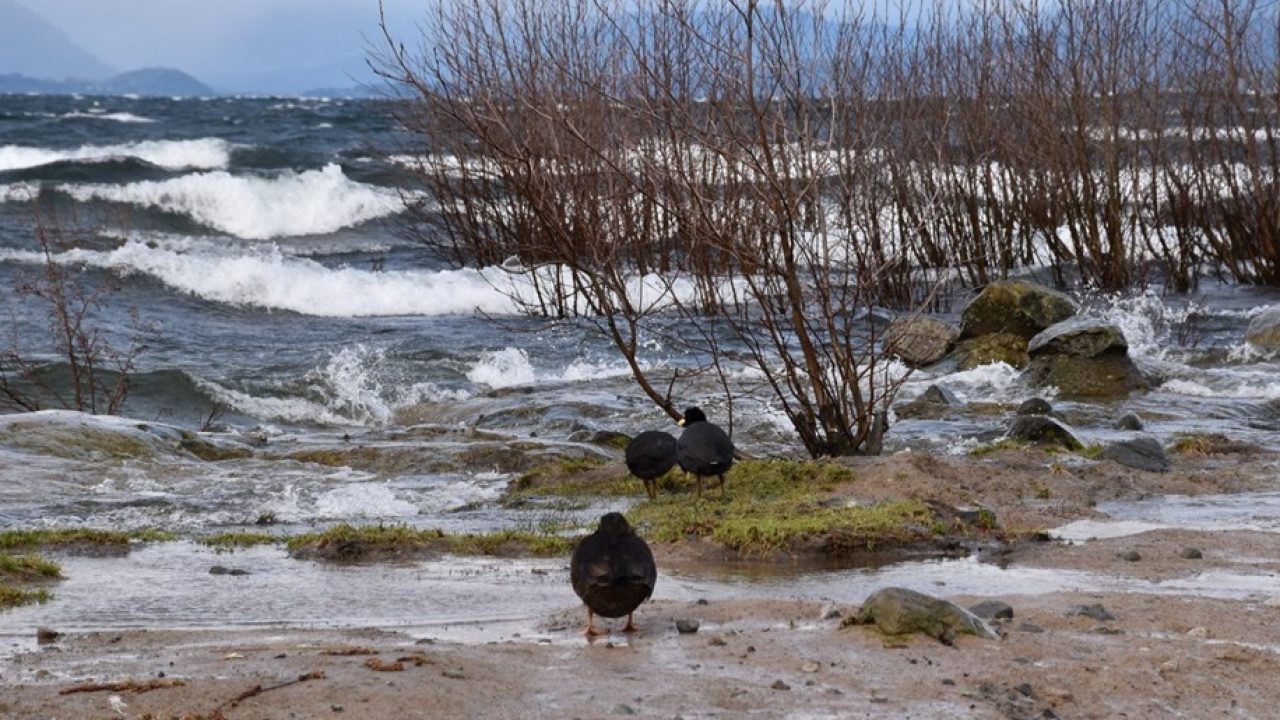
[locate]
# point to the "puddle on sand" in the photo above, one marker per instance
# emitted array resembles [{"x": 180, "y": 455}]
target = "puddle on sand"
[
  {"x": 1245, "y": 511},
  {"x": 168, "y": 586}
]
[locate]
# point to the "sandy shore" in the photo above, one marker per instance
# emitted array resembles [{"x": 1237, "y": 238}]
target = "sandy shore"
[{"x": 1180, "y": 653}]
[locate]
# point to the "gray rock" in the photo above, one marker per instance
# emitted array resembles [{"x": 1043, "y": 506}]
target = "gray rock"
[
  {"x": 1035, "y": 406},
  {"x": 935, "y": 402},
  {"x": 1094, "y": 611},
  {"x": 46, "y": 635},
  {"x": 687, "y": 626},
  {"x": 1084, "y": 358},
  {"x": 830, "y": 612},
  {"x": 1142, "y": 453},
  {"x": 920, "y": 340},
  {"x": 1029, "y": 627},
  {"x": 1131, "y": 556},
  {"x": 1190, "y": 553},
  {"x": 992, "y": 610},
  {"x": 1128, "y": 421},
  {"x": 897, "y": 611},
  {"x": 1043, "y": 430},
  {"x": 780, "y": 685},
  {"x": 1264, "y": 328},
  {"x": 1014, "y": 306},
  {"x": 623, "y": 709}
]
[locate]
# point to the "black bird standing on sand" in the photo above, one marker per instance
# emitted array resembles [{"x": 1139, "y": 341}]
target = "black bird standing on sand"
[
  {"x": 703, "y": 448},
  {"x": 649, "y": 456},
  {"x": 612, "y": 570}
]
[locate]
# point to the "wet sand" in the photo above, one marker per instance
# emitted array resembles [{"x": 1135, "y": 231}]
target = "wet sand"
[{"x": 1175, "y": 650}]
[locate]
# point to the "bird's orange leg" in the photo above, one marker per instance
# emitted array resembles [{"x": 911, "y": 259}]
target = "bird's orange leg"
[
  {"x": 591, "y": 630},
  {"x": 631, "y": 626}
]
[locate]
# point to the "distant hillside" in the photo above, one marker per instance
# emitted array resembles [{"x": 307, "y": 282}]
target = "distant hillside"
[
  {"x": 30, "y": 46},
  {"x": 152, "y": 81}
]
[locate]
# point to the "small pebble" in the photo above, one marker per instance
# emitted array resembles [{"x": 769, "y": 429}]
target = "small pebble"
[
  {"x": 829, "y": 612},
  {"x": 1191, "y": 553},
  {"x": 1198, "y": 632},
  {"x": 948, "y": 681},
  {"x": 810, "y": 667},
  {"x": 455, "y": 674},
  {"x": 717, "y": 642},
  {"x": 623, "y": 709},
  {"x": 1131, "y": 556},
  {"x": 687, "y": 626},
  {"x": 336, "y": 708},
  {"x": 702, "y": 601},
  {"x": 1030, "y": 628},
  {"x": 1024, "y": 689},
  {"x": 779, "y": 685},
  {"x": 47, "y": 635}
]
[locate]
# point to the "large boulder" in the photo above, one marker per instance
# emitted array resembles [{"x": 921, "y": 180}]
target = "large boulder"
[
  {"x": 919, "y": 340},
  {"x": 1142, "y": 453},
  {"x": 1264, "y": 328},
  {"x": 899, "y": 611},
  {"x": 1014, "y": 306},
  {"x": 1085, "y": 358},
  {"x": 1043, "y": 430},
  {"x": 1002, "y": 347}
]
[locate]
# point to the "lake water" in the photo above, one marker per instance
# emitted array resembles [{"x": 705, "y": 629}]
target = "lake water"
[{"x": 260, "y": 237}]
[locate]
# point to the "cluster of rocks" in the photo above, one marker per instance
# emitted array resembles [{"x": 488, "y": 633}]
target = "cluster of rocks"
[{"x": 1031, "y": 328}]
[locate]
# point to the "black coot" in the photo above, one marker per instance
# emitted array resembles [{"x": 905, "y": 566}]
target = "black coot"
[
  {"x": 649, "y": 456},
  {"x": 612, "y": 570},
  {"x": 703, "y": 448}
]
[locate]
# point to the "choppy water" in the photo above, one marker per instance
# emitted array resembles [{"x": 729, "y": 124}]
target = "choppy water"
[{"x": 259, "y": 235}]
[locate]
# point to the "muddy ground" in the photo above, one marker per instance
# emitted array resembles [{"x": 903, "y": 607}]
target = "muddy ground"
[{"x": 1181, "y": 654}]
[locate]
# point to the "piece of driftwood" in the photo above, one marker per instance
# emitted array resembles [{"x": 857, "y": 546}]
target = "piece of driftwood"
[{"x": 137, "y": 686}]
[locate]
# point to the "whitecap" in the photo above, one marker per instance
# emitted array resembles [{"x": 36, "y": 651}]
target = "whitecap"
[
  {"x": 256, "y": 208},
  {"x": 199, "y": 154},
  {"x": 508, "y": 367}
]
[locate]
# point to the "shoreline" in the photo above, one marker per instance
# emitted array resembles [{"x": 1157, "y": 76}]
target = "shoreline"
[{"x": 1173, "y": 644}]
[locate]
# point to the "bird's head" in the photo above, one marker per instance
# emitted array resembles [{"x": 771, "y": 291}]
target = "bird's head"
[
  {"x": 693, "y": 415},
  {"x": 614, "y": 524}
]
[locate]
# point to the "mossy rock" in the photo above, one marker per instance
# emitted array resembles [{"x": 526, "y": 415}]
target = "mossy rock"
[
  {"x": 210, "y": 452},
  {"x": 1264, "y": 329},
  {"x": 900, "y": 611},
  {"x": 1014, "y": 306},
  {"x": 1106, "y": 376},
  {"x": 1008, "y": 348}
]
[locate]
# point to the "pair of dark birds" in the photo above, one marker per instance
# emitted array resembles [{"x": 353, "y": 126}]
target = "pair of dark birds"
[
  {"x": 612, "y": 569},
  {"x": 704, "y": 449}
]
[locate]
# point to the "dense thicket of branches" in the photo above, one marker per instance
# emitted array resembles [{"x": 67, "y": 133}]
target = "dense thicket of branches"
[{"x": 771, "y": 173}]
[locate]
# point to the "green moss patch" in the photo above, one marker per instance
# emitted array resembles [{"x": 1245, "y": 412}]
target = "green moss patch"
[
  {"x": 373, "y": 542},
  {"x": 12, "y": 597},
  {"x": 1210, "y": 444},
  {"x": 239, "y": 540},
  {"x": 80, "y": 538},
  {"x": 25, "y": 568},
  {"x": 782, "y": 506}
]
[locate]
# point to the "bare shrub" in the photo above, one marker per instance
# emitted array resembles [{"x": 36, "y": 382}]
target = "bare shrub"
[{"x": 75, "y": 366}]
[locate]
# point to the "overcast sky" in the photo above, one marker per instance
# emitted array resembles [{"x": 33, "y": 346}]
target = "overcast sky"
[{"x": 230, "y": 42}]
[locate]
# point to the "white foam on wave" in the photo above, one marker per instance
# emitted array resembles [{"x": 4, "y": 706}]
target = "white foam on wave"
[
  {"x": 993, "y": 382},
  {"x": 508, "y": 367},
  {"x": 120, "y": 117},
  {"x": 256, "y": 208},
  {"x": 364, "y": 500},
  {"x": 361, "y": 382},
  {"x": 1233, "y": 386},
  {"x": 269, "y": 279},
  {"x": 200, "y": 154}
]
